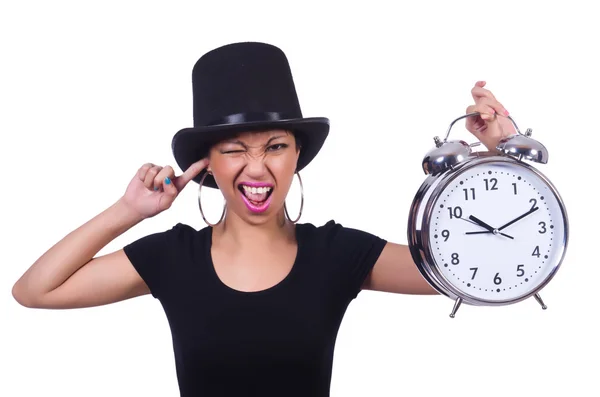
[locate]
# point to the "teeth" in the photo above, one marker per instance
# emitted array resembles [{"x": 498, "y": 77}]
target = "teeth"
[{"x": 256, "y": 190}]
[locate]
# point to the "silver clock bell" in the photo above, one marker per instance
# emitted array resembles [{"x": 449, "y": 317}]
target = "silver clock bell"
[{"x": 447, "y": 154}]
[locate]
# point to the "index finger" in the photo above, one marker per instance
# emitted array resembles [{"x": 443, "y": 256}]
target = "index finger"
[
  {"x": 190, "y": 173},
  {"x": 478, "y": 92}
]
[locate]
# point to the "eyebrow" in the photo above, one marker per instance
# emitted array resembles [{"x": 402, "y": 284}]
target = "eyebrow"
[{"x": 238, "y": 142}]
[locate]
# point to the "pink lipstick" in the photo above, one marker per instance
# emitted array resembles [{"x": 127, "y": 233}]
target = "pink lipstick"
[
  {"x": 256, "y": 195},
  {"x": 256, "y": 184}
]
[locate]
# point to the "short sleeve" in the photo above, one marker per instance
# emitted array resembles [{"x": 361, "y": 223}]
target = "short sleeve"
[
  {"x": 152, "y": 258},
  {"x": 353, "y": 253}
]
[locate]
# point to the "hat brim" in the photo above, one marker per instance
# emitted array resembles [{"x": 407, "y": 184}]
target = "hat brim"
[{"x": 192, "y": 144}]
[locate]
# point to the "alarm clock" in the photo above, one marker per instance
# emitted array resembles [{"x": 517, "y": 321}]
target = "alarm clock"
[{"x": 487, "y": 228}]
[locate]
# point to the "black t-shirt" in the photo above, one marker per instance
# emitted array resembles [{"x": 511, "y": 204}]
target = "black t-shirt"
[{"x": 275, "y": 342}]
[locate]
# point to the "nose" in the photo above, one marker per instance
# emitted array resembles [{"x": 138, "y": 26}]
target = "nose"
[{"x": 256, "y": 167}]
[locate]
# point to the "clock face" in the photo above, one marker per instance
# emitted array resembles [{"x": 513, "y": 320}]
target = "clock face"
[{"x": 497, "y": 231}]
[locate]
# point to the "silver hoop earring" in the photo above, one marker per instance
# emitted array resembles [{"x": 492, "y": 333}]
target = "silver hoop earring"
[
  {"x": 301, "y": 202},
  {"x": 200, "y": 204}
]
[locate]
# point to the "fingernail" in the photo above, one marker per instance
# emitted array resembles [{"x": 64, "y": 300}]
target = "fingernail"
[
  {"x": 167, "y": 180},
  {"x": 505, "y": 112}
]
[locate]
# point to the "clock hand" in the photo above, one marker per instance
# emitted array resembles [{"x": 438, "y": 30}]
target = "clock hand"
[
  {"x": 486, "y": 226},
  {"x": 468, "y": 220},
  {"x": 518, "y": 218},
  {"x": 481, "y": 223},
  {"x": 487, "y": 231}
]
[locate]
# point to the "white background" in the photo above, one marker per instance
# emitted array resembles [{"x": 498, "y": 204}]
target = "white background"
[{"x": 91, "y": 90}]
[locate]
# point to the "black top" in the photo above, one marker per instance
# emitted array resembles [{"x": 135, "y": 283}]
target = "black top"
[{"x": 274, "y": 342}]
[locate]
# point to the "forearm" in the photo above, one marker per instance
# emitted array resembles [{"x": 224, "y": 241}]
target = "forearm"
[{"x": 76, "y": 249}]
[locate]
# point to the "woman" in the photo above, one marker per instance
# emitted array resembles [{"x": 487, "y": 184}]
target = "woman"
[{"x": 255, "y": 301}]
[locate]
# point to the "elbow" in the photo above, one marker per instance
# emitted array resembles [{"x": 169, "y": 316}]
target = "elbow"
[
  {"x": 22, "y": 297},
  {"x": 19, "y": 296}
]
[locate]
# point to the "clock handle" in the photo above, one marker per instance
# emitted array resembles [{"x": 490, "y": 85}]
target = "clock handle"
[{"x": 527, "y": 133}]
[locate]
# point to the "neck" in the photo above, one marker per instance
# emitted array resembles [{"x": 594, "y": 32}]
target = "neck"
[{"x": 242, "y": 233}]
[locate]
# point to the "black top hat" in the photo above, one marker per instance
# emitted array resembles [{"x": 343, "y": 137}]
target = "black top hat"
[{"x": 244, "y": 87}]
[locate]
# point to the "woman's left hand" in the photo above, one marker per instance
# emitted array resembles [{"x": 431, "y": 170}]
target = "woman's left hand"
[{"x": 491, "y": 125}]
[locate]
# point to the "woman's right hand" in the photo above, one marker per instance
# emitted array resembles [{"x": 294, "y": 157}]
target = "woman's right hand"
[{"x": 154, "y": 188}]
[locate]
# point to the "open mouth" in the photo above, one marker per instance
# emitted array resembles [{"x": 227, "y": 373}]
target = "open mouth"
[{"x": 256, "y": 197}]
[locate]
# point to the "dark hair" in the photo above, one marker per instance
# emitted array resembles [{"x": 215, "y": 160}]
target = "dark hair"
[{"x": 298, "y": 139}]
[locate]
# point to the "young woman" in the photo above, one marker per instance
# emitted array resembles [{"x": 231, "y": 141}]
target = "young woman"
[{"x": 254, "y": 301}]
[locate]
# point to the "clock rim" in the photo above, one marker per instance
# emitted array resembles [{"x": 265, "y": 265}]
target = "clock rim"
[{"x": 419, "y": 242}]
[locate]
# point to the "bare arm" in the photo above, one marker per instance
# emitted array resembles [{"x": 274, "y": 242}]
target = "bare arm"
[
  {"x": 68, "y": 275},
  {"x": 395, "y": 271}
]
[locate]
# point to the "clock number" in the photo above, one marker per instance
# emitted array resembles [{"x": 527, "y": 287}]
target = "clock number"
[
  {"x": 534, "y": 203},
  {"x": 467, "y": 193},
  {"x": 520, "y": 271},
  {"x": 515, "y": 187},
  {"x": 536, "y": 251},
  {"x": 455, "y": 260},
  {"x": 445, "y": 234},
  {"x": 455, "y": 212},
  {"x": 492, "y": 182},
  {"x": 497, "y": 279},
  {"x": 474, "y": 272},
  {"x": 543, "y": 225}
]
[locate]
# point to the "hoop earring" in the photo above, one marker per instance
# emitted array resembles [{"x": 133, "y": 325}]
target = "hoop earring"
[
  {"x": 200, "y": 203},
  {"x": 301, "y": 202}
]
